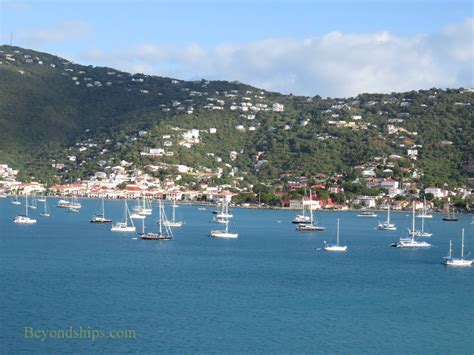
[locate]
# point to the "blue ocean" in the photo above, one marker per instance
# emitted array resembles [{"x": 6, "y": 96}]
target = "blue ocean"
[{"x": 272, "y": 290}]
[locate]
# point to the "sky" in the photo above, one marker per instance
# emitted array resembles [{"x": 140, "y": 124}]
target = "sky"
[{"x": 336, "y": 48}]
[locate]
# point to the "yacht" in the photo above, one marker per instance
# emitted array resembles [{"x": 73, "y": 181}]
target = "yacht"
[
  {"x": 367, "y": 214},
  {"x": 450, "y": 217},
  {"x": 24, "y": 219},
  {"x": 410, "y": 243},
  {"x": 222, "y": 215},
  {"x": 310, "y": 227},
  {"x": 99, "y": 218},
  {"x": 124, "y": 226},
  {"x": 135, "y": 215},
  {"x": 33, "y": 204},
  {"x": 63, "y": 203},
  {"x": 45, "y": 212},
  {"x": 424, "y": 213},
  {"x": 224, "y": 219},
  {"x": 337, "y": 246},
  {"x": 418, "y": 232},
  {"x": 386, "y": 225},
  {"x": 174, "y": 222},
  {"x": 450, "y": 261},
  {"x": 15, "y": 201},
  {"x": 143, "y": 209},
  {"x": 164, "y": 232}
]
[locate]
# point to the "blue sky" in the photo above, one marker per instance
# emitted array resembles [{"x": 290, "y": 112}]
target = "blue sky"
[{"x": 288, "y": 46}]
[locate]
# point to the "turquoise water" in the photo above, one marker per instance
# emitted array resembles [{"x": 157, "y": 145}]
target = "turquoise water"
[{"x": 270, "y": 291}]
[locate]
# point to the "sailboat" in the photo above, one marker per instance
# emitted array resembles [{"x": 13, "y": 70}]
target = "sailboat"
[
  {"x": 45, "y": 212},
  {"x": 367, "y": 214},
  {"x": 450, "y": 217},
  {"x": 424, "y": 213},
  {"x": 24, "y": 219},
  {"x": 222, "y": 214},
  {"x": 33, "y": 204},
  {"x": 15, "y": 201},
  {"x": 224, "y": 218},
  {"x": 335, "y": 247},
  {"x": 164, "y": 232},
  {"x": 174, "y": 222},
  {"x": 410, "y": 242},
  {"x": 144, "y": 209},
  {"x": 42, "y": 198},
  {"x": 418, "y": 232},
  {"x": 100, "y": 218},
  {"x": 450, "y": 261},
  {"x": 309, "y": 227},
  {"x": 386, "y": 225},
  {"x": 302, "y": 218},
  {"x": 123, "y": 226}
]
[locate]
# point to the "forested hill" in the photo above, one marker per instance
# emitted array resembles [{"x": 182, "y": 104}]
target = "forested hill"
[{"x": 53, "y": 110}]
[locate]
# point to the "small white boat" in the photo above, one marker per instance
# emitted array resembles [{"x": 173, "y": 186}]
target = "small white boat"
[
  {"x": 450, "y": 261},
  {"x": 301, "y": 218},
  {"x": 424, "y": 213},
  {"x": 419, "y": 233},
  {"x": 24, "y": 219},
  {"x": 33, "y": 204},
  {"x": 137, "y": 216},
  {"x": 224, "y": 220},
  {"x": 124, "y": 226},
  {"x": 201, "y": 208},
  {"x": 410, "y": 243},
  {"x": 335, "y": 247},
  {"x": 367, "y": 214},
  {"x": 310, "y": 227},
  {"x": 174, "y": 222},
  {"x": 15, "y": 201},
  {"x": 45, "y": 212},
  {"x": 387, "y": 225},
  {"x": 144, "y": 209}
]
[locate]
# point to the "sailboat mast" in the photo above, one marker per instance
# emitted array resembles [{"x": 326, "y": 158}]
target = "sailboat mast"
[
  {"x": 388, "y": 213},
  {"x": 450, "y": 248},
  {"x": 413, "y": 218},
  {"x": 26, "y": 205},
  {"x": 462, "y": 244},
  {"x": 103, "y": 210},
  {"x": 174, "y": 209},
  {"x": 337, "y": 233},
  {"x": 161, "y": 217}
]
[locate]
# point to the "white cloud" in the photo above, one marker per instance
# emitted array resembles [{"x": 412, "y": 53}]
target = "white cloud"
[
  {"x": 64, "y": 31},
  {"x": 335, "y": 64}
]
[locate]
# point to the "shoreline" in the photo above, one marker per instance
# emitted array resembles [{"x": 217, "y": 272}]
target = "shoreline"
[{"x": 255, "y": 207}]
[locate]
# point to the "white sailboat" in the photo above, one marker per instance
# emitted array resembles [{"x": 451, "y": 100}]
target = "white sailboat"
[
  {"x": 144, "y": 209},
  {"x": 174, "y": 222},
  {"x": 24, "y": 219},
  {"x": 222, "y": 214},
  {"x": 123, "y": 226},
  {"x": 99, "y": 218},
  {"x": 302, "y": 218},
  {"x": 224, "y": 219},
  {"x": 450, "y": 261},
  {"x": 410, "y": 242},
  {"x": 63, "y": 203},
  {"x": 337, "y": 246},
  {"x": 41, "y": 198},
  {"x": 424, "y": 213},
  {"x": 366, "y": 214},
  {"x": 45, "y": 212},
  {"x": 418, "y": 232},
  {"x": 386, "y": 225},
  {"x": 33, "y": 204},
  {"x": 15, "y": 201},
  {"x": 164, "y": 232}
]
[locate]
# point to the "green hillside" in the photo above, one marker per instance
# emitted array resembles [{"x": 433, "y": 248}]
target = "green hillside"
[{"x": 51, "y": 109}]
